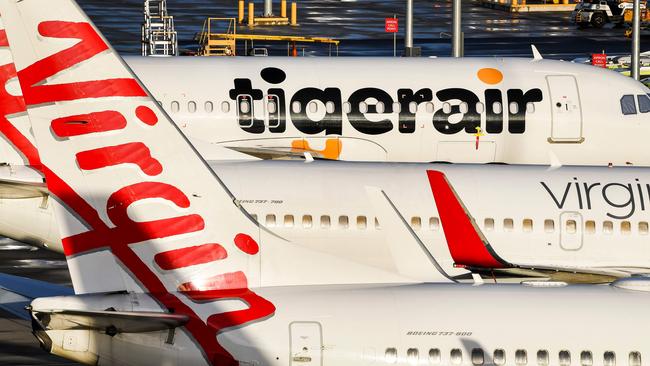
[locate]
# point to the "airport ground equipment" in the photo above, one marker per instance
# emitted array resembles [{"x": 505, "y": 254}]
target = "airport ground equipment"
[
  {"x": 219, "y": 38},
  {"x": 159, "y": 37},
  {"x": 628, "y": 17},
  {"x": 597, "y": 13}
]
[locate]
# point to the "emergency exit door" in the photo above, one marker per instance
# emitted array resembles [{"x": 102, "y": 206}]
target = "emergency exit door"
[
  {"x": 571, "y": 230},
  {"x": 306, "y": 344},
  {"x": 566, "y": 114}
]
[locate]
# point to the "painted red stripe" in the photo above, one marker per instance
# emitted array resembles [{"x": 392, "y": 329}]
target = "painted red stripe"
[
  {"x": 190, "y": 256},
  {"x": 4, "y": 42},
  {"x": 130, "y": 153},
  {"x": 83, "y": 124},
  {"x": 465, "y": 244},
  {"x": 224, "y": 281},
  {"x": 10, "y": 104}
]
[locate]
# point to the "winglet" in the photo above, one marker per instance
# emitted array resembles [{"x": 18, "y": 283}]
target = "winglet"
[
  {"x": 536, "y": 54},
  {"x": 467, "y": 245}
]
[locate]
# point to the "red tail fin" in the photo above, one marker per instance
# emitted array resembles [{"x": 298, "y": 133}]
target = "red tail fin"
[{"x": 467, "y": 245}]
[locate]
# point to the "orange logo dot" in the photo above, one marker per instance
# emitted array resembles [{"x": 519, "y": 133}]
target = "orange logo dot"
[{"x": 490, "y": 76}]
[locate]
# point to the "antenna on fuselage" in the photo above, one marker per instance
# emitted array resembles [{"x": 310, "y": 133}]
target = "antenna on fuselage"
[{"x": 536, "y": 54}]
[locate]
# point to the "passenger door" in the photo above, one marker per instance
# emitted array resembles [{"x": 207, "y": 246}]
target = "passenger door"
[
  {"x": 571, "y": 230},
  {"x": 566, "y": 115},
  {"x": 306, "y": 344}
]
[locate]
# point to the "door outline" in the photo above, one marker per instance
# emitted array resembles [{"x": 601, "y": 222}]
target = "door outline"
[
  {"x": 320, "y": 341},
  {"x": 579, "y": 229},
  {"x": 568, "y": 140}
]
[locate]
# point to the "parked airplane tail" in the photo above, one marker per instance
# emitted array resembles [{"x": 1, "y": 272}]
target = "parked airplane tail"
[
  {"x": 467, "y": 244},
  {"x": 137, "y": 207}
]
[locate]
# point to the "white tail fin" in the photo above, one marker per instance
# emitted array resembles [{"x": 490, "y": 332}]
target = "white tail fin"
[
  {"x": 147, "y": 214},
  {"x": 16, "y": 142}
]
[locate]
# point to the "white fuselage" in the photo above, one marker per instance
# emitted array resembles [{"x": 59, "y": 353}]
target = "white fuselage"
[
  {"x": 426, "y": 324},
  {"x": 532, "y": 216},
  {"x": 529, "y": 111}
]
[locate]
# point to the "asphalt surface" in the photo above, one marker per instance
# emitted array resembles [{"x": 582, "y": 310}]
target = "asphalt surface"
[{"x": 360, "y": 27}]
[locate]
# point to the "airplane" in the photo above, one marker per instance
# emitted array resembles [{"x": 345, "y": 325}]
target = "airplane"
[
  {"x": 578, "y": 224},
  {"x": 470, "y": 110},
  {"x": 165, "y": 269}
]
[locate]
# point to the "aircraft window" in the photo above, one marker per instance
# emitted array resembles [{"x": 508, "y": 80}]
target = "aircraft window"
[
  {"x": 391, "y": 355},
  {"x": 644, "y": 103},
  {"x": 272, "y": 106},
  {"x": 565, "y": 358},
  {"x": 313, "y": 107},
  {"x": 586, "y": 358},
  {"x": 542, "y": 357},
  {"x": 497, "y": 108},
  {"x": 225, "y": 106},
  {"x": 508, "y": 224},
  {"x": 325, "y": 222},
  {"x": 344, "y": 223},
  {"x": 429, "y": 107},
  {"x": 456, "y": 356},
  {"x": 208, "y": 106},
  {"x": 362, "y": 222},
  {"x": 176, "y": 107},
  {"x": 627, "y": 104},
  {"x": 377, "y": 226},
  {"x": 446, "y": 108},
  {"x": 530, "y": 107},
  {"x": 499, "y": 357},
  {"x": 464, "y": 107},
  {"x": 480, "y": 107},
  {"x": 413, "y": 356},
  {"x": 329, "y": 107},
  {"x": 634, "y": 359},
  {"x": 514, "y": 107},
  {"x": 270, "y": 220},
  {"x": 434, "y": 223},
  {"x": 477, "y": 357},
  {"x": 288, "y": 220},
  {"x": 528, "y": 225},
  {"x": 380, "y": 107},
  {"x": 413, "y": 107},
  {"x": 626, "y": 227},
  {"x": 244, "y": 106},
  {"x": 520, "y": 357},
  {"x": 434, "y": 356},
  {"x": 296, "y": 107},
  {"x": 397, "y": 108},
  {"x": 416, "y": 223},
  {"x": 488, "y": 224},
  {"x": 571, "y": 226},
  {"x": 608, "y": 227},
  {"x": 191, "y": 106},
  {"x": 549, "y": 226},
  {"x": 363, "y": 107},
  {"x": 590, "y": 227},
  {"x": 643, "y": 228},
  {"x": 609, "y": 359},
  {"x": 307, "y": 221},
  {"x": 347, "y": 108}
]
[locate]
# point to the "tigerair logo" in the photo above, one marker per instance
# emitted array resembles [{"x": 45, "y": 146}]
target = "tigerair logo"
[
  {"x": 373, "y": 111},
  {"x": 147, "y": 184}
]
